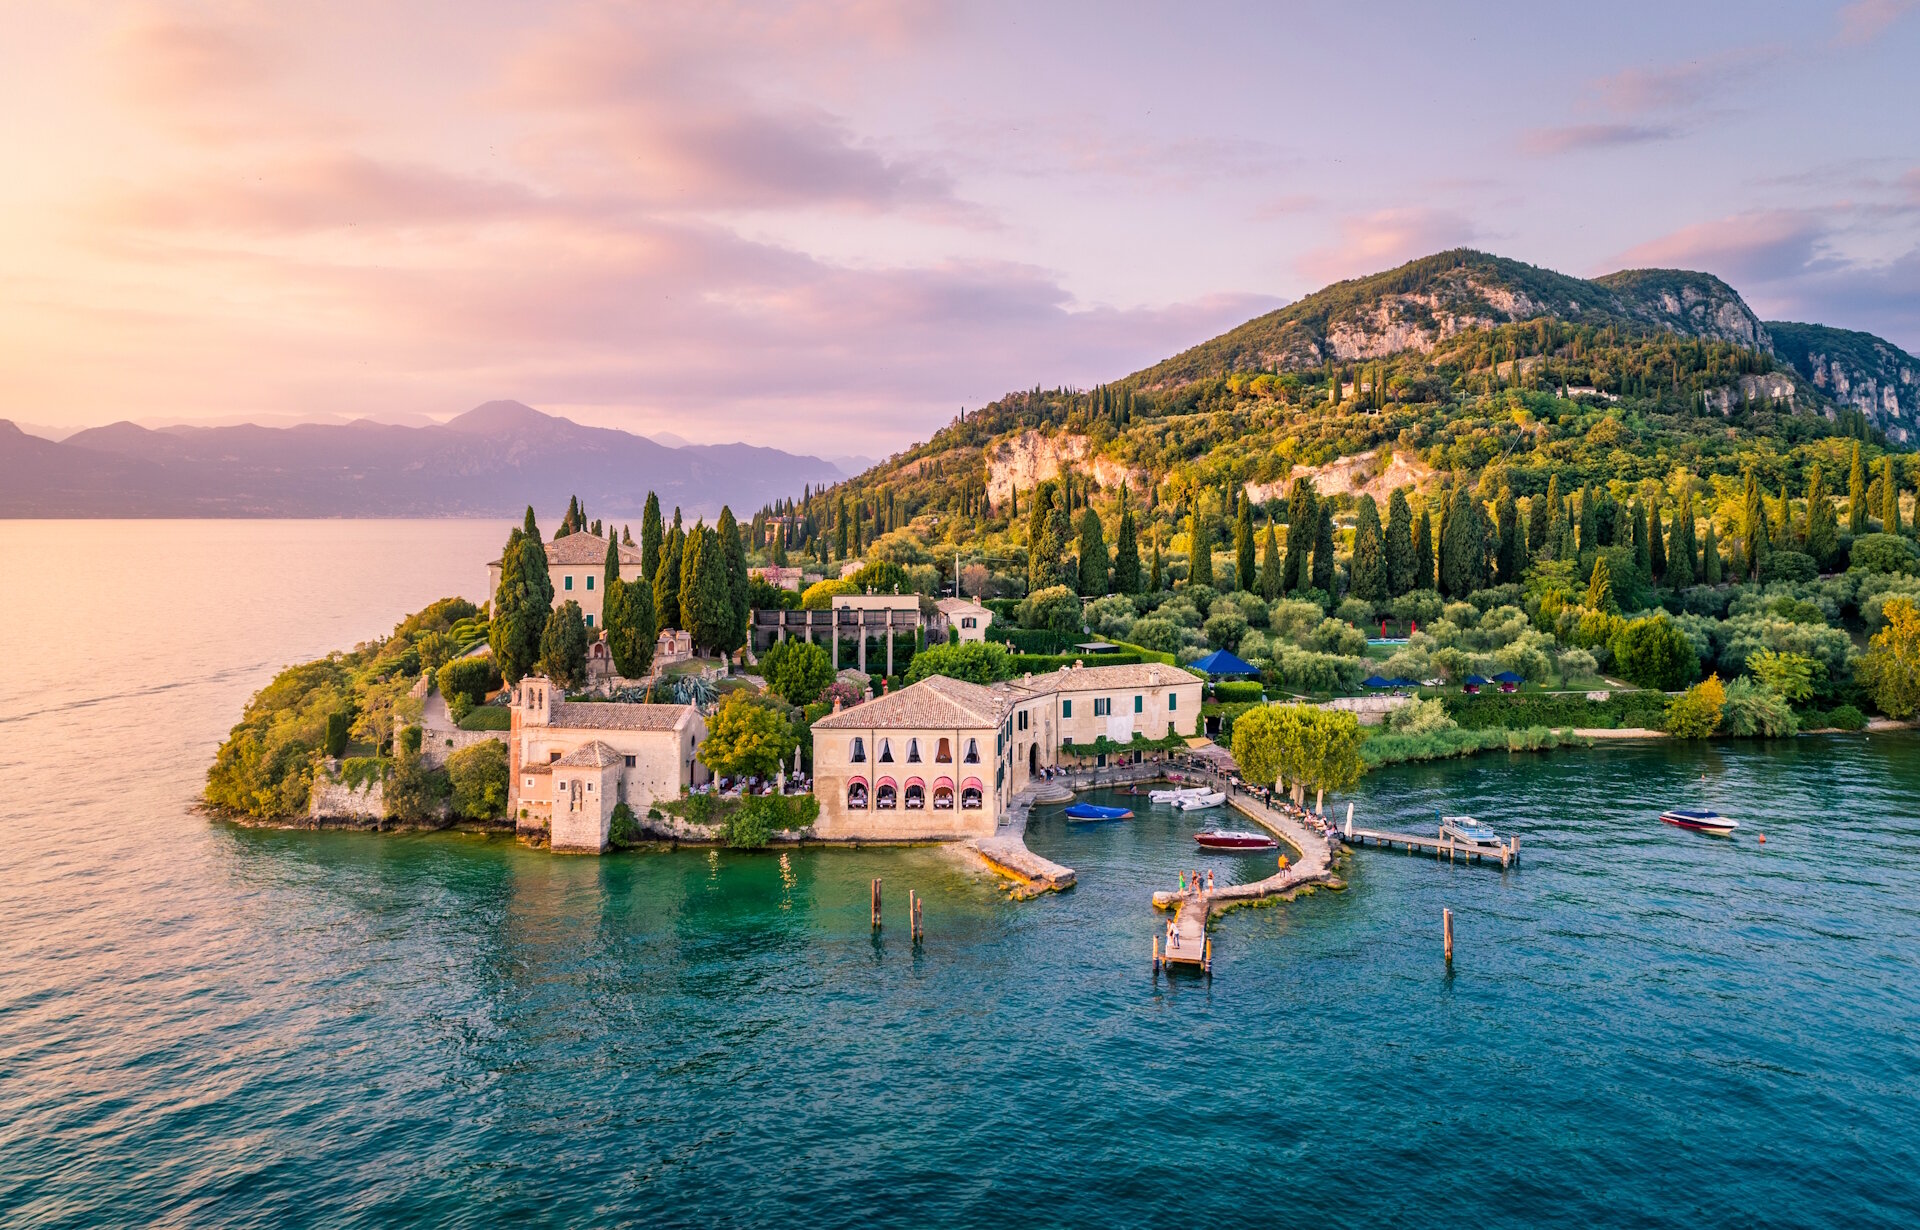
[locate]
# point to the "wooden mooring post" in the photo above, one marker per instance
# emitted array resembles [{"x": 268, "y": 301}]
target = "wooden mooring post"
[
  {"x": 1446, "y": 931},
  {"x": 876, "y": 905},
  {"x": 916, "y": 916}
]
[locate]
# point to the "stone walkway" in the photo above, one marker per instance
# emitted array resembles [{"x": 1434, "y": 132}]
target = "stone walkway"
[{"x": 1314, "y": 866}]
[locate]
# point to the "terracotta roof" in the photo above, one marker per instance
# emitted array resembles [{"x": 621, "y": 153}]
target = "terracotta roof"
[
  {"x": 934, "y": 702},
  {"x": 585, "y": 715},
  {"x": 950, "y": 605},
  {"x": 545, "y": 766},
  {"x": 1094, "y": 678},
  {"x": 595, "y": 755},
  {"x": 583, "y": 550}
]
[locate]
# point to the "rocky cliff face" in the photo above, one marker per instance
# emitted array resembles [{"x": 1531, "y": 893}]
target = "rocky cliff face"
[{"x": 1860, "y": 370}]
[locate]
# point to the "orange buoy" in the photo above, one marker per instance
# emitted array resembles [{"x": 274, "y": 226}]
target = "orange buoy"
[{"x": 1763, "y": 839}]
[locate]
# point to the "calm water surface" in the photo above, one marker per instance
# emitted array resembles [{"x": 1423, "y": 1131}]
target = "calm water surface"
[{"x": 203, "y": 1025}]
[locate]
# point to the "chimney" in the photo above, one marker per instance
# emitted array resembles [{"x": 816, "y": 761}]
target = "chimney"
[{"x": 836, "y": 704}]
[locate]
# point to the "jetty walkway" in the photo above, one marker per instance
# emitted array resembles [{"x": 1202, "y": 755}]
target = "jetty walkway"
[
  {"x": 1314, "y": 866},
  {"x": 1006, "y": 851}
]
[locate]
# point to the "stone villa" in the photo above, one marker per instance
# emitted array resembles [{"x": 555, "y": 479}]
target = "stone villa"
[
  {"x": 577, "y": 563},
  {"x": 964, "y": 616},
  {"x": 572, "y": 763},
  {"x": 939, "y": 759}
]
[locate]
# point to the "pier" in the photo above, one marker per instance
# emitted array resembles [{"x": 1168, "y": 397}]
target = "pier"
[{"x": 1504, "y": 853}]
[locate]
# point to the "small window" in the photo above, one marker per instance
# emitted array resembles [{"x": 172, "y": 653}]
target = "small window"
[
  {"x": 529, "y": 782},
  {"x": 1169, "y": 730},
  {"x": 569, "y": 580},
  {"x": 973, "y": 751},
  {"x": 886, "y": 751},
  {"x": 913, "y": 751},
  {"x": 1021, "y": 722},
  {"x": 629, "y": 762},
  {"x": 589, "y": 580},
  {"x": 943, "y": 754},
  {"x": 552, "y": 756},
  {"x": 1066, "y": 708},
  {"x": 1173, "y": 701},
  {"x": 1102, "y": 706},
  {"x": 589, "y": 787},
  {"x": 589, "y": 618},
  {"x": 1139, "y": 703},
  {"x": 968, "y": 622},
  {"x": 859, "y": 753}
]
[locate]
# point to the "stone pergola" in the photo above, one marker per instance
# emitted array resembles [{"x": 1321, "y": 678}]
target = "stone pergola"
[{"x": 768, "y": 627}]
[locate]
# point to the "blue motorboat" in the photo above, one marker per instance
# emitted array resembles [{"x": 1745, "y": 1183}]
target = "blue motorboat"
[{"x": 1090, "y": 811}]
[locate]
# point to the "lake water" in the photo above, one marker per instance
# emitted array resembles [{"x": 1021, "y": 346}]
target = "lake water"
[{"x": 204, "y": 1025}]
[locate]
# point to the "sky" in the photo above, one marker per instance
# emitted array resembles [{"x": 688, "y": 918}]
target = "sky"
[{"x": 828, "y": 226}]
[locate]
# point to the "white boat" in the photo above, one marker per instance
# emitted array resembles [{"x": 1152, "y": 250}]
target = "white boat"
[
  {"x": 1700, "y": 820},
  {"x": 1174, "y": 794},
  {"x": 1469, "y": 830},
  {"x": 1196, "y": 802}
]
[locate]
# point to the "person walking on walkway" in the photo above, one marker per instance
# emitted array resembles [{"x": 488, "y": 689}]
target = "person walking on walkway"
[{"x": 1209, "y": 879}]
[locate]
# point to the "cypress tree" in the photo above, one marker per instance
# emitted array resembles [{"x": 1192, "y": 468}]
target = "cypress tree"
[
  {"x": 1540, "y": 518},
  {"x": 1199, "y": 551},
  {"x": 1302, "y": 523},
  {"x": 630, "y": 632},
  {"x": 1126, "y": 552},
  {"x": 840, "y": 543},
  {"x": 1857, "y": 494},
  {"x": 1399, "y": 544},
  {"x": 1509, "y": 555},
  {"x": 1066, "y": 570},
  {"x": 705, "y": 604},
  {"x": 1153, "y": 578},
  {"x": 1445, "y": 501},
  {"x": 1785, "y": 535},
  {"x": 1642, "y": 545},
  {"x": 1367, "y": 574},
  {"x": 1093, "y": 556},
  {"x": 777, "y": 556},
  {"x": 1656, "y": 545},
  {"x": 1269, "y": 579},
  {"x": 1043, "y": 551},
  {"x": 522, "y": 603},
  {"x": 1889, "y": 496},
  {"x": 1681, "y": 555},
  {"x": 626, "y": 535},
  {"x": 666, "y": 582},
  {"x": 1423, "y": 551},
  {"x": 1463, "y": 560},
  {"x": 1600, "y": 588},
  {"x": 1710, "y": 557},
  {"x": 1753, "y": 514},
  {"x": 739, "y": 591},
  {"x": 1589, "y": 520},
  {"x": 1323, "y": 572},
  {"x": 652, "y": 533},
  {"x": 563, "y": 646},
  {"x": 1823, "y": 531},
  {"x": 1243, "y": 545}
]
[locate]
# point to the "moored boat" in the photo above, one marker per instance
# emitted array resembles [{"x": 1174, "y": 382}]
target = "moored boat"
[
  {"x": 1700, "y": 820},
  {"x": 1093, "y": 811},
  {"x": 1196, "y": 802},
  {"x": 1229, "y": 839},
  {"x": 1174, "y": 794}
]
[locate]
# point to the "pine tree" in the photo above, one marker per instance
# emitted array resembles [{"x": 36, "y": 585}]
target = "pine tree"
[
  {"x": 1423, "y": 551},
  {"x": 1399, "y": 543},
  {"x": 1710, "y": 557},
  {"x": 1367, "y": 573},
  {"x": 1243, "y": 545},
  {"x": 1510, "y": 554},
  {"x": 1323, "y": 548},
  {"x": 1656, "y": 545},
  {"x": 1823, "y": 531},
  {"x": 1126, "y": 552},
  {"x": 666, "y": 581},
  {"x": 739, "y": 590},
  {"x": 1269, "y": 579},
  {"x": 1093, "y": 557},
  {"x": 1889, "y": 496},
  {"x": 1302, "y": 524},
  {"x": 1199, "y": 551},
  {"x": 652, "y": 533},
  {"x": 1857, "y": 495}
]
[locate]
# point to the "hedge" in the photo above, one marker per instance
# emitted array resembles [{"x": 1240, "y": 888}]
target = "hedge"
[
  {"x": 1034, "y": 640},
  {"x": 1039, "y": 663},
  {"x": 1229, "y": 691},
  {"x": 1382, "y": 748},
  {"x": 1520, "y": 711}
]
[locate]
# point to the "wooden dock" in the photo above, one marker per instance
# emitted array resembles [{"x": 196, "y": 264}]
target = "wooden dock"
[
  {"x": 1450, "y": 848},
  {"x": 1189, "y": 944}
]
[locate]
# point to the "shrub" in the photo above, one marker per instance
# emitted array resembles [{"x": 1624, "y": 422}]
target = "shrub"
[
  {"x": 1884, "y": 553},
  {"x": 1225, "y": 627},
  {"x": 624, "y": 829},
  {"x": 470, "y": 680},
  {"x": 1698, "y": 712},
  {"x": 1421, "y": 717},
  {"x": 1846, "y": 717},
  {"x": 337, "y": 726},
  {"x": 1523, "y": 709},
  {"x": 1753, "y": 710},
  {"x": 417, "y": 792},
  {"x": 1157, "y": 634},
  {"x": 1789, "y": 566},
  {"x": 1654, "y": 653},
  {"x": 1385, "y": 747},
  {"x": 752, "y": 824},
  {"x": 478, "y": 777},
  {"x": 975, "y": 661},
  {"x": 1234, "y": 690},
  {"x": 797, "y": 671},
  {"x": 1055, "y": 608}
]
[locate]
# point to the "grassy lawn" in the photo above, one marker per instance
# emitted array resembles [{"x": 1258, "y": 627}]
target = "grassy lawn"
[{"x": 487, "y": 717}]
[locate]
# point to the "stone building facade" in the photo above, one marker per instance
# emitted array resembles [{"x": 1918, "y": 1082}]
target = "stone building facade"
[{"x": 577, "y": 565}]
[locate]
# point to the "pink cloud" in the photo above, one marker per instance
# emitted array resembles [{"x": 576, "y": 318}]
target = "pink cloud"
[
  {"x": 1384, "y": 239},
  {"x": 1866, "y": 20},
  {"x": 1577, "y": 137},
  {"x": 1760, "y": 246}
]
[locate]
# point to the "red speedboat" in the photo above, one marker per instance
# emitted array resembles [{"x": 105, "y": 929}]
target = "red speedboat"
[{"x": 1225, "y": 839}]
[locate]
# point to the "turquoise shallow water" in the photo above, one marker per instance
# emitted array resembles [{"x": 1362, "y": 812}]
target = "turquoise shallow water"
[{"x": 213, "y": 1026}]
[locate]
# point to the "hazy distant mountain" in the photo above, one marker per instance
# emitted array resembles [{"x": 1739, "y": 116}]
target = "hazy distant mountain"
[{"x": 493, "y": 460}]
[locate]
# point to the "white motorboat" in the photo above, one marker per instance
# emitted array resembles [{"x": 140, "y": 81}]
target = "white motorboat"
[
  {"x": 1174, "y": 794},
  {"x": 1197, "y": 802},
  {"x": 1469, "y": 830}
]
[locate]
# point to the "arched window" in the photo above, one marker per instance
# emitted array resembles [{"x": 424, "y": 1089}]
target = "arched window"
[
  {"x": 859, "y": 755},
  {"x": 943, "y": 754},
  {"x": 916, "y": 796},
  {"x": 970, "y": 796},
  {"x": 857, "y": 795},
  {"x": 913, "y": 751},
  {"x": 886, "y": 751},
  {"x": 885, "y": 798},
  {"x": 943, "y": 798},
  {"x": 973, "y": 751}
]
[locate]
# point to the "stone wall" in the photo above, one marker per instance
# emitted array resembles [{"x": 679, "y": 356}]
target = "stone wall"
[
  {"x": 1371, "y": 710},
  {"x": 331, "y": 800},
  {"x": 437, "y": 745}
]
